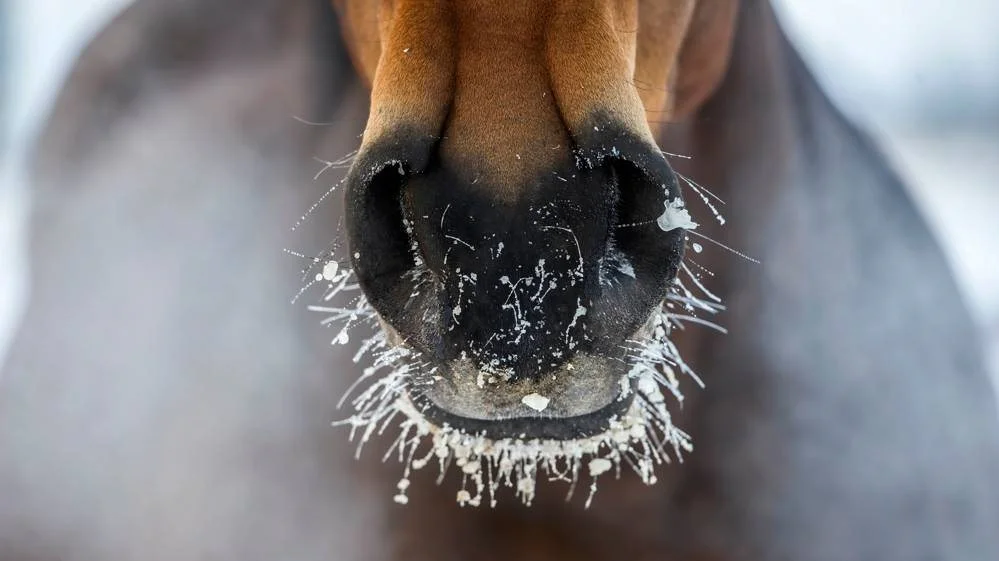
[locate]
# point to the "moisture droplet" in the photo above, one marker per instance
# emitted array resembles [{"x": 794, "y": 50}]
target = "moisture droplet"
[{"x": 330, "y": 270}]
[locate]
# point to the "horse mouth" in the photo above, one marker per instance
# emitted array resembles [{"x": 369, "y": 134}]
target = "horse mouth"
[
  {"x": 592, "y": 416},
  {"x": 577, "y": 400}
]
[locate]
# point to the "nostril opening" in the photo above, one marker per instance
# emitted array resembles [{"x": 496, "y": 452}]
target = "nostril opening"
[
  {"x": 636, "y": 233},
  {"x": 638, "y": 200},
  {"x": 647, "y": 256},
  {"x": 376, "y": 228},
  {"x": 388, "y": 268},
  {"x": 641, "y": 259}
]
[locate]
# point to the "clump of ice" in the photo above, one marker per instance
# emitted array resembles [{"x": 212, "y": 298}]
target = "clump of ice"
[
  {"x": 535, "y": 401},
  {"x": 330, "y": 270},
  {"x": 675, "y": 216},
  {"x": 599, "y": 466}
]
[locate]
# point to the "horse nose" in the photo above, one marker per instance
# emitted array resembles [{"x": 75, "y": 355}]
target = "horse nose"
[
  {"x": 509, "y": 214},
  {"x": 517, "y": 276}
]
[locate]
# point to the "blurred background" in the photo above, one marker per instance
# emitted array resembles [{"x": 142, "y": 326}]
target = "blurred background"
[{"x": 921, "y": 75}]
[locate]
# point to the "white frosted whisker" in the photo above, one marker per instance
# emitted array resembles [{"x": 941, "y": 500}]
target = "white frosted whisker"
[
  {"x": 381, "y": 398},
  {"x": 723, "y": 246}
]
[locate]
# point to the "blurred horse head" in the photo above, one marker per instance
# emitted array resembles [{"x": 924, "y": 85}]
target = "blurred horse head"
[{"x": 530, "y": 256}]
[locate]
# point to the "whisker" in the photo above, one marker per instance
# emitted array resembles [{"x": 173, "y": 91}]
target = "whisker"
[
  {"x": 390, "y": 392},
  {"x": 312, "y": 123},
  {"x": 697, "y": 186},
  {"x": 671, "y": 154},
  {"x": 700, "y": 286},
  {"x": 315, "y": 205},
  {"x": 723, "y": 246},
  {"x": 701, "y": 192},
  {"x": 695, "y": 319}
]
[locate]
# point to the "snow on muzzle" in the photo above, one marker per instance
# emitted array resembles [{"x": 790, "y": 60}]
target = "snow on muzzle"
[{"x": 515, "y": 331}]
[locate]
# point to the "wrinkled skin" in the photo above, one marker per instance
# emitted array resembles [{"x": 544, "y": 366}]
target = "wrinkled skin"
[{"x": 162, "y": 399}]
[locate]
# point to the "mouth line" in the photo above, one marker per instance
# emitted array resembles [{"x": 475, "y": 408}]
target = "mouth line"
[
  {"x": 529, "y": 427},
  {"x": 575, "y": 399}
]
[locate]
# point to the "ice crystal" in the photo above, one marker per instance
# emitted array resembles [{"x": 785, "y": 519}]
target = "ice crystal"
[{"x": 640, "y": 439}]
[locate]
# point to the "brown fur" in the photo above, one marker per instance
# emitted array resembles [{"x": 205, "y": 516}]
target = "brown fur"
[{"x": 431, "y": 61}]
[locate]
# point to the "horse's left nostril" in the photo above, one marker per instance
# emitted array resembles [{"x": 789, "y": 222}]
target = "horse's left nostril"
[{"x": 641, "y": 258}]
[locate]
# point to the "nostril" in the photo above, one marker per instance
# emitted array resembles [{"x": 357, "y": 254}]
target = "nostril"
[
  {"x": 636, "y": 231},
  {"x": 376, "y": 231},
  {"x": 642, "y": 259},
  {"x": 375, "y": 227},
  {"x": 389, "y": 271},
  {"x": 644, "y": 184}
]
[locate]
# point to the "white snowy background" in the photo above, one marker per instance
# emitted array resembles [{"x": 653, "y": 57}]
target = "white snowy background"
[{"x": 922, "y": 75}]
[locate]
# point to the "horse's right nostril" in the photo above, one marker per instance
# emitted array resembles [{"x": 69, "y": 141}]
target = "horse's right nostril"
[
  {"x": 374, "y": 222},
  {"x": 388, "y": 266},
  {"x": 376, "y": 232}
]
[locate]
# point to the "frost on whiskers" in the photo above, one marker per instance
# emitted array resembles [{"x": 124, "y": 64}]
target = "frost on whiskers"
[{"x": 641, "y": 439}]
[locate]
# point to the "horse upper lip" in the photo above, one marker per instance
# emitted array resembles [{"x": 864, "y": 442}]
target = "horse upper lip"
[
  {"x": 521, "y": 417},
  {"x": 577, "y": 387}
]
